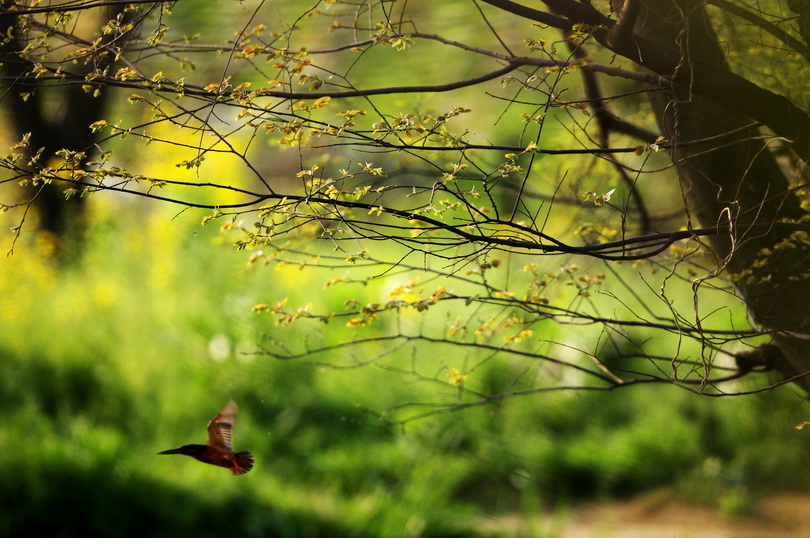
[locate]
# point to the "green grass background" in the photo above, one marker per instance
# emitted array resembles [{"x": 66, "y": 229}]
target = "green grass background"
[{"x": 134, "y": 346}]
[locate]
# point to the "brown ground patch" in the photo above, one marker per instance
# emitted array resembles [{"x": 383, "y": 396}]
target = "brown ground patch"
[{"x": 659, "y": 514}]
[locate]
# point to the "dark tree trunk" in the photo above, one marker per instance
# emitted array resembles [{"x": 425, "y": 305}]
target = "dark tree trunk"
[
  {"x": 734, "y": 181},
  {"x": 58, "y": 117}
]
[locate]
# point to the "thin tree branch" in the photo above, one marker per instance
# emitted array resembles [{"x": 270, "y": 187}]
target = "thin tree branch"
[
  {"x": 532, "y": 14},
  {"x": 779, "y": 33}
]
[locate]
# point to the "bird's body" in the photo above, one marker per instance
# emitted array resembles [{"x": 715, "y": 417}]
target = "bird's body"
[{"x": 218, "y": 451}]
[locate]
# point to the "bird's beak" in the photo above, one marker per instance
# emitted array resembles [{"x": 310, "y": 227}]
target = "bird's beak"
[{"x": 172, "y": 451}]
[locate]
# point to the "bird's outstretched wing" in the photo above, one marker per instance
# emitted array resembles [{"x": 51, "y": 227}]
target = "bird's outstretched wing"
[{"x": 221, "y": 427}]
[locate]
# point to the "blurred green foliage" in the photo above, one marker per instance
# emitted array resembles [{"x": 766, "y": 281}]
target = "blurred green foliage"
[{"x": 133, "y": 348}]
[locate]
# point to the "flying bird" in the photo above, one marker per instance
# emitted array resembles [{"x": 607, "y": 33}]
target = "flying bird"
[{"x": 218, "y": 450}]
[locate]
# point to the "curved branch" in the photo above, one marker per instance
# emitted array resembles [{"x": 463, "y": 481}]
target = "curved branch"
[
  {"x": 779, "y": 33},
  {"x": 20, "y": 9},
  {"x": 774, "y": 110},
  {"x": 620, "y": 250},
  {"x": 622, "y": 32},
  {"x": 532, "y": 14}
]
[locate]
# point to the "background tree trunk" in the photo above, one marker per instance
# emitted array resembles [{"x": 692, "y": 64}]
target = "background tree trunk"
[{"x": 58, "y": 117}]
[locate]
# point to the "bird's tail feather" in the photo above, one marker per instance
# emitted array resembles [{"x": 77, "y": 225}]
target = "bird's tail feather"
[{"x": 243, "y": 462}]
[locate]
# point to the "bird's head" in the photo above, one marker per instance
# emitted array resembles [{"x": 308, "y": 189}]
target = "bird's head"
[{"x": 188, "y": 450}]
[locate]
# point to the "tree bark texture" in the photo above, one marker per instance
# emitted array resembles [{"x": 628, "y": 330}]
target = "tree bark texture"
[{"x": 733, "y": 180}]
